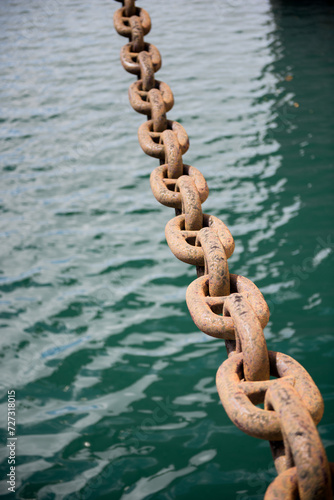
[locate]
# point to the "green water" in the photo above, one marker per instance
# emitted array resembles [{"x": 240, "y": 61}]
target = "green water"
[{"x": 115, "y": 386}]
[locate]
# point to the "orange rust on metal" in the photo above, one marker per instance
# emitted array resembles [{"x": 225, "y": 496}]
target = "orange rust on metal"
[
  {"x": 158, "y": 111},
  {"x": 173, "y": 154},
  {"x": 129, "y": 7},
  {"x": 223, "y": 305},
  {"x": 129, "y": 58},
  {"x": 191, "y": 203},
  {"x": 149, "y": 140},
  {"x": 249, "y": 336},
  {"x": 255, "y": 391},
  {"x": 206, "y": 311},
  {"x": 121, "y": 21},
  {"x": 182, "y": 242},
  {"x": 163, "y": 188},
  {"x": 285, "y": 486},
  {"x": 139, "y": 98},
  {"x": 215, "y": 262},
  {"x": 137, "y": 34},
  {"x": 302, "y": 443},
  {"x": 146, "y": 70},
  {"x": 244, "y": 414},
  {"x": 278, "y": 452}
]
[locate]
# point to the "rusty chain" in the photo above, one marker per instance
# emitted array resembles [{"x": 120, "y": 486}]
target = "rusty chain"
[{"x": 223, "y": 305}]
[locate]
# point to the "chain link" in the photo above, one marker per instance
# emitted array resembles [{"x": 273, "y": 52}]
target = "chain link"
[
  {"x": 215, "y": 262},
  {"x": 163, "y": 187},
  {"x": 224, "y": 305},
  {"x": 301, "y": 446},
  {"x": 122, "y": 21}
]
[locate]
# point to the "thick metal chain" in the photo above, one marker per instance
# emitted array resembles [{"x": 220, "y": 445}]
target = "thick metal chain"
[{"x": 223, "y": 305}]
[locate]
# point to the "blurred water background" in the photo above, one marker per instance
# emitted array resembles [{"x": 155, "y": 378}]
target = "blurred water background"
[{"x": 115, "y": 386}]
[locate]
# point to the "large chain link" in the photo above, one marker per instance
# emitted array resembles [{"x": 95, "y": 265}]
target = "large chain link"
[{"x": 224, "y": 305}]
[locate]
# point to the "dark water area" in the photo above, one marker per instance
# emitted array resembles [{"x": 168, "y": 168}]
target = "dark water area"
[{"x": 115, "y": 386}]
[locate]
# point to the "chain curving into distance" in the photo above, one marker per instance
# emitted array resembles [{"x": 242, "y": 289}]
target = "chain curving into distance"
[{"x": 223, "y": 305}]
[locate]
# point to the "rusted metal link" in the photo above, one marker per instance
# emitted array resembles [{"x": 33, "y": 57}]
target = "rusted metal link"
[
  {"x": 215, "y": 262},
  {"x": 302, "y": 443},
  {"x": 137, "y": 34},
  {"x": 129, "y": 7},
  {"x": 278, "y": 451},
  {"x": 239, "y": 397},
  {"x": 158, "y": 111},
  {"x": 163, "y": 188},
  {"x": 191, "y": 203},
  {"x": 122, "y": 21},
  {"x": 146, "y": 70},
  {"x": 150, "y": 140},
  {"x": 139, "y": 99},
  {"x": 249, "y": 337},
  {"x": 285, "y": 486},
  {"x": 182, "y": 242},
  {"x": 173, "y": 154},
  {"x": 206, "y": 311},
  {"x": 216, "y": 267},
  {"x": 129, "y": 58}
]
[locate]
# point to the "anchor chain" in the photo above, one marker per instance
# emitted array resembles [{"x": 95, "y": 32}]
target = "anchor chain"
[{"x": 223, "y": 305}]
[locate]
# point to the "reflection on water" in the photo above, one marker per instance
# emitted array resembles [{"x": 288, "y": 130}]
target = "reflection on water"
[{"x": 115, "y": 387}]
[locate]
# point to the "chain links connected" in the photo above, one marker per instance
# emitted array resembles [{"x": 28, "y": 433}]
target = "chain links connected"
[{"x": 224, "y": 305}]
